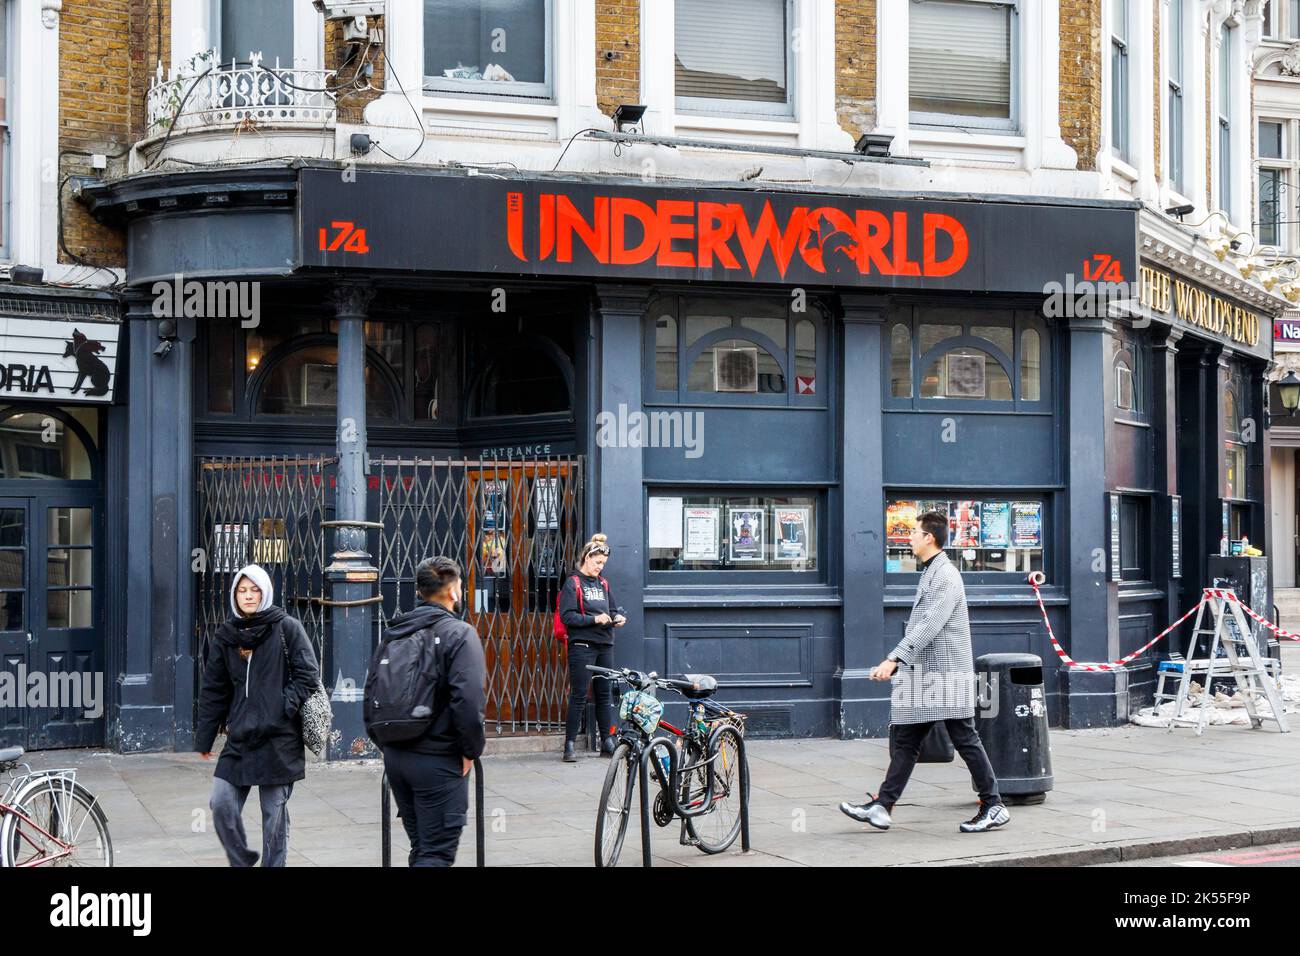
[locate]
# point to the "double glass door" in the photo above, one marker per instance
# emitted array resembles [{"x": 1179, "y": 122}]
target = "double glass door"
[{"x": 52, "y": 685}]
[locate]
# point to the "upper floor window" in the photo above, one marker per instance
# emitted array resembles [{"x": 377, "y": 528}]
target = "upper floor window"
[
  {"x": 1174, "y": 100},
  {"x": 5, "y": 130},
  {"x": 244, "y": 28},
  {"x": 1119, "y": 77},
  {"x": 1279, "y": 173},
  {"x": 971, "y": 355},
  {"x": 1224, "y": 106},
  {"x": 733, "y": 56},
  {"x": 1282, "y": 19},
  {"x": 500, "y": 47},
  {"x": 749, "y": 350},
  {"x": 962, "y": 63}
]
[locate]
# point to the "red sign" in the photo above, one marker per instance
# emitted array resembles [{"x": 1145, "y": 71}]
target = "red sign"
[
  {"x": 805, "y": 385},
  {"x": 690, "y": 234}
]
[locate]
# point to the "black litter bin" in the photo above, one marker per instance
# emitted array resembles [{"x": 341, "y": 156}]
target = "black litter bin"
[{"x": 1011, "y": 717}]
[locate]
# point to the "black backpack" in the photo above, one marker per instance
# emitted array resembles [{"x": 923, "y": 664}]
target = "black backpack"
[{"x": 401, "y": 685}]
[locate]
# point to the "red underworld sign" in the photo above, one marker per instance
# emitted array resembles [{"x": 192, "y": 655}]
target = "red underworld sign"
[{"x": 689, "y": 234}]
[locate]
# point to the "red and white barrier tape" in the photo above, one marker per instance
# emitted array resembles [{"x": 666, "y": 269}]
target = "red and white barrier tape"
[
  {"x": 1250, "y": 612},
  {"x": 1036, "y": 579}
]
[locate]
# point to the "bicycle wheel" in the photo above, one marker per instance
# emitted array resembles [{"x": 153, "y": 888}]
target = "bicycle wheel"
[
  {"x": 56, "y": 810},
  {"x": 615, "y": 806},
  {"x": 718, "y": 829}
]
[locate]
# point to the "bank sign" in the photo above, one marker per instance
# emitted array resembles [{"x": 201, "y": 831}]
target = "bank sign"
[
  {"x": 57, "y": 361},
  {"x": 423, "y": 222}
]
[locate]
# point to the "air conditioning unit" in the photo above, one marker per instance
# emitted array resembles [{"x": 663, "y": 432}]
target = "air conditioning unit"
[
  {"x": 735, "y": 369},
  {"x": 349, "y": 9}
]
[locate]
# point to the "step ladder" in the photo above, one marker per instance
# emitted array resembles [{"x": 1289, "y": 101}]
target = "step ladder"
[{"x": 1255, "y": 675}]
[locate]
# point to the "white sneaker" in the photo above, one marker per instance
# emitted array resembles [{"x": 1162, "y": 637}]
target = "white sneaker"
[
  {"x": 989, "y": 818},
  {"x": 872, "y": 812}
]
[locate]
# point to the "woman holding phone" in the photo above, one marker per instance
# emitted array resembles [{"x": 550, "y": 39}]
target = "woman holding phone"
[{"x": 590, "y": 616}]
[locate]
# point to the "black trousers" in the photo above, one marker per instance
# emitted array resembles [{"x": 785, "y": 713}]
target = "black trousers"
[
  {"x": 432, "y": 797},
  {"x": 580, "y": 655},
  {"x": 905, "y": 746}
]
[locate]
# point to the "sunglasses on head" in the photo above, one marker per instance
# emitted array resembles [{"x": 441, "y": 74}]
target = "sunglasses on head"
[{"x": 599, "y": 549}]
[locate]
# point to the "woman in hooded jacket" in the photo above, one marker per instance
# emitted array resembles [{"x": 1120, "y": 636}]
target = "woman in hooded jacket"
[{"x": 259, "y": 668}]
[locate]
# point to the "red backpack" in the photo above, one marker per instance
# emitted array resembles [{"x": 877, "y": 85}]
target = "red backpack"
[{"x": 557, "y": 626}]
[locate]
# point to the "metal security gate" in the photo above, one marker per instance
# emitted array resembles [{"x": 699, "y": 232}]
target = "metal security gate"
[
  {"x": 266, "y": 511},
  {"x": 515, "y": 526}
]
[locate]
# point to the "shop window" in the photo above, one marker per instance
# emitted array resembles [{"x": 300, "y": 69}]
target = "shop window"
[
  {"x": 521, "y": 382},
  {"x": 38, "y": 445},
  {"x": 1235, "y": 466},
  {"x": 962, "y": 63},
  {"x": 736, "y": 365},
  {"x": 995, "y": 535},
  {"x": 666, "y": 353},
  {"x": 1030, "y": 366},
  {"x": 1125, "y": 393},
  {"x": 221, "y": 368},
  {"x": 716, "y": 532},
  {"x": 732, "y": 56},
  {"x": 966, "y": 355},
  {"x": 494, "y": 47},
  {"x": 428, "y": 370},
  {"x": 1135, "y": 539},
  {"x": 13, "y": 563},
  {"x": 305, "y": 382},
  {"x": 1231, "y": 420},
  {"x": 900, "y": 362},
  {"x": 805, "y": 357},
  {"x": 750, "y": 346},
  {"x": 967, "y": 373}
]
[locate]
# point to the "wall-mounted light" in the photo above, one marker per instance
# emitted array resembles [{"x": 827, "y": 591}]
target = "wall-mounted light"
[
  {"x": 166, "y": 337},
  {"x": 628, "y": 114},
  {"x": 1288, "y": 389}
]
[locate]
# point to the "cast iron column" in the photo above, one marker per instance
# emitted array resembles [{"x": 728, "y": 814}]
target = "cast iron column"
[
  {"x": 352, "y": 577},
  {"x": 863, "y": 703}
]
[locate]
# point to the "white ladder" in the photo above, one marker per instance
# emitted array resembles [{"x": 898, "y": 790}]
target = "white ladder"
[{"x": 1253, "y": 674}]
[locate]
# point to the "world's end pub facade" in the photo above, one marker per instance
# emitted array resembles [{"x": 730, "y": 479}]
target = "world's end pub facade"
[{"x": 751, "y": 390}]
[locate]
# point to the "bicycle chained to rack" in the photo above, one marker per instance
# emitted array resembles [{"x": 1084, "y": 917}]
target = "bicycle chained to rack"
[
  {"x": 701, "y": 769},
  {"x": 48, "y": 819}
]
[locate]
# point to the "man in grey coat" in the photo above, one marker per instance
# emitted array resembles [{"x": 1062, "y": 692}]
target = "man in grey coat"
[{"x": 933, "y": 678}]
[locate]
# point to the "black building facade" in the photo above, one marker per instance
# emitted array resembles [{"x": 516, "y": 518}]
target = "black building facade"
[{"x": 751, "y": 392}]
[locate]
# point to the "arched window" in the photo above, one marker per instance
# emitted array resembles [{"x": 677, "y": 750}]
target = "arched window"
[
  {"x": 900, "y": 361},
  {"x": 1231, "y": 419},
  {"x": 521, "y": 381},
  {"x": 1030, "y": 366},
  {"x": 666, "y": 353},
  {"x": 736, "y": 365},
  {"x": 305, "y": 382},
  {"x": 38, "y": 445},
  {"x": 427, "y": 368}
]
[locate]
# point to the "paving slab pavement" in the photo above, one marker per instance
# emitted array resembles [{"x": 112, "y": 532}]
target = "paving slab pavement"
[{"x": 1122, "y": 793}]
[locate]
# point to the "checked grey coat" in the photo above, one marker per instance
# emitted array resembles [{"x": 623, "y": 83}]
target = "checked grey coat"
[{"x": 935, "y": 679}]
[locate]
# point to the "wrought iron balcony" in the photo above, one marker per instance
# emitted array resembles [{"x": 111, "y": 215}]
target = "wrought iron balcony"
[{"x": 241, "y": 97}]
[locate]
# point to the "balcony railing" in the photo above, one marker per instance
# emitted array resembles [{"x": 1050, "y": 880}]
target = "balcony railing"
[{"x": 242, "y": 96}]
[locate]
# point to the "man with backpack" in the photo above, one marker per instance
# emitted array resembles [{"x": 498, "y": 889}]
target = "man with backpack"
[{"x": 424, "y": 708}]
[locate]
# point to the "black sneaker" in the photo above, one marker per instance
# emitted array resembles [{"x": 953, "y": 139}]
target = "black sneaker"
[
  {"x": 569, "y": 755},
  {"x": 990, "y": 817},
  {"x": 608, "y": 746},
  {"x": 873, "y": 812}
]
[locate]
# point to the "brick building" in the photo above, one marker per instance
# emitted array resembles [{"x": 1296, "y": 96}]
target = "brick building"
[{"x": 849, "y": 240}]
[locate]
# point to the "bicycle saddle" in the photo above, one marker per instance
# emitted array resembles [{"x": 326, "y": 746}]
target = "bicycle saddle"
[
  {"x": 696, "y": 686},
  {"x": 10, "y": 754}
]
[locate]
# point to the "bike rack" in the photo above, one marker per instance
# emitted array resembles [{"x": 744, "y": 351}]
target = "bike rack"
[
  {"x": 644, "y": 773},
  {"x": 386, "y": 819}
]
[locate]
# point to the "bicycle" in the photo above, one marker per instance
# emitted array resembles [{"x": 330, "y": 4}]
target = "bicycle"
[
  {"x": 699, "y": 768},
  {"x": 43, "y": 819}
]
